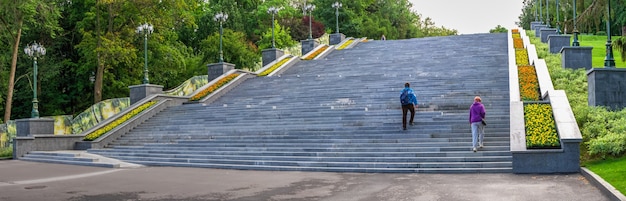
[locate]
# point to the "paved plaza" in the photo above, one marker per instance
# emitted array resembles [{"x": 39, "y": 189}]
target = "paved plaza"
[{"x": 29, "y": 181}]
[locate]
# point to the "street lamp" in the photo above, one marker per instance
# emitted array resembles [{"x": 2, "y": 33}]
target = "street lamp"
[
  {"x": 541, "y": 10},
  {"x": 35, "y": 50},
  {"x": 273, "y": 10},
  {"x": 575, "y": 42},
  {"x": 558, "y": 22},
  {"x": 547, "y": 14},
  {"x": 145, "y": 29},
  {"x": 221, "y": 18},
  {"x": 609, "y": 62},
  {"x": 310, "y": 8},
  {"x": 337, "y": 5}
]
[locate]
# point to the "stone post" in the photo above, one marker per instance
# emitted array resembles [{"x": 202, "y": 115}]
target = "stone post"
[
  {"x": 576, "y": 57},
  {"x": 545, "y": 32},
  {"x": 607, "y": 87},
  {"x": 538, "y": 29},
  {"x": 557, "y": 42},
  {"x": 34, "y": 126},
  {"x": 308, "y": 45},
  {"x": 535, "y": 23},
  {"x": 336, "y": 38},
  {"x": 217, "y": 69},
  {"x": 138, "y": 92},
  {"x": 271, "y": 54}
]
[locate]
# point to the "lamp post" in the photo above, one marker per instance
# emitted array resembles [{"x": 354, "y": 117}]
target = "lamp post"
[
  {"x": 541, "y": 10},
  {"x": 337, "y": 5},
  {"x": 609, "y": 62},
  {"x": 145, "y": 29},
  {"x": 35, "y": 50},
  {"x": 575, "y": 42},
  {"x": 547, "y": 14},
  {"x": 221, "y": 18},
  {"x": 558, "y": 21},
  {"x": 273, "y": 10},
  {"x": 310, "y": 8}
]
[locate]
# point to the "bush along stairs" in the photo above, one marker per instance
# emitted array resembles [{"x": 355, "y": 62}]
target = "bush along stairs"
[{"x": 342, "y": 113}]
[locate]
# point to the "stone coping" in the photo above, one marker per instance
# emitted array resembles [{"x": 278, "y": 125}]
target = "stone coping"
[
  {"x": 269, "y": 65},
  {"x": 606, "y": 188},
  {"x": 606, "y": 69}
]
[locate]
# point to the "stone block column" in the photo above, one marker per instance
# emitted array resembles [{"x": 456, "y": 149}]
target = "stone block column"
[
  {"x": 535, "y": 23},
  {"x": 217, "y": 69},
  {"x": 34, "y": 126},
  {"x": 556, "y": 42},
  {"x": 269, "y": 55},
  {"x": 336, "y": 38},
  {"x": 538, "y": 29},
  {"x": 138, "y": 92},
  {"x": 308, "y": 45},
  {"x": 576, "y": 57},
  {"x": 607, "y": 87},
  {"x": 545, "y": 32}
]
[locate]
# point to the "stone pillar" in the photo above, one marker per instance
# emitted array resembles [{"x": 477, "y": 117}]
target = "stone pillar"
[
  {"x": 576, "y": 57},
  {"x": 138, "y": 92},
  {"x": 218, "y": 69},
  {"x": 607, "y": 87},
  {"x": 34, "y": 126},
  {"x": 308, "y": 45},
  {"x": 271, "y": 54},
  {"x": 535, "y": 23},
  {"x": 336, "y": 38},
  {"x": 545, "y": 32},
  {"x": 556, "y": 42},
  {"x": 538, "y": 28}
]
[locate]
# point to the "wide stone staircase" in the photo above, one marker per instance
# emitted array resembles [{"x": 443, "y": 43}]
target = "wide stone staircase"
[{"x": 341, "y": 113}]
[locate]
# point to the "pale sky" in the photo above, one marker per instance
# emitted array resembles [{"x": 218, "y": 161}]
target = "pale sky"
[{"x": 470, "y": 16}]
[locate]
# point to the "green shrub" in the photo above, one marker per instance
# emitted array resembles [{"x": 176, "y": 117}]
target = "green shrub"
[{"x": 6, "y": 152}]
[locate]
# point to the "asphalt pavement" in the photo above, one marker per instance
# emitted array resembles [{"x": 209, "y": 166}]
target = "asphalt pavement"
[{"x": 32, "y": 181}]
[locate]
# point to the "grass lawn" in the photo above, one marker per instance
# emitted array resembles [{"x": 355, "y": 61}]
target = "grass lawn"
[
  {"x": 598, "y": 53},
  {"x": 612, "y": 171}
]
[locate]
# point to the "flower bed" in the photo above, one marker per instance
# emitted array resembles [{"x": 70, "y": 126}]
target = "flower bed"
[
  {"x": 317, "y": 52},
  {"x": 344, "y": 45},
  {"x": 528, "y": 83},
  {"x": 274, "y": 67},
  {"x": 540, "y": 126},
  {"x": 96, "y": 134},
  {"x": 215, "y": 86},
  {"x": 521, "y": 57}
]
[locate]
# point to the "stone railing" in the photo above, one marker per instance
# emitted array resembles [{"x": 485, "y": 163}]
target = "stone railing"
[{"x": 566, "y": 159}]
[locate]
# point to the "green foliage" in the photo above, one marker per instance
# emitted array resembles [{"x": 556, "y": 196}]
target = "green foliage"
[
  {"x": 281, "y": 35},
  {"x": 237, "y": 50},
  {"x": 6, "y": 152},
  {"x": 498, "y": 29}
]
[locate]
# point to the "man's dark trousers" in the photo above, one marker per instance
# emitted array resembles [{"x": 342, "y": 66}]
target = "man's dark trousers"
[{"x": 405, "y": 109}]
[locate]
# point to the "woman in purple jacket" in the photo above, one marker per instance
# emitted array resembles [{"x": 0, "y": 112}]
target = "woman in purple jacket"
[{"x": 477, "y": 114}]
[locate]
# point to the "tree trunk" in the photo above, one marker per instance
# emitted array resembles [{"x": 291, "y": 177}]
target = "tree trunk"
[{"x": 9, "y": 103}]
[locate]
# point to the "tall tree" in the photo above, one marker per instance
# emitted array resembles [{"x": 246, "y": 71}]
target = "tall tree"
[{"x": 17, "y": 17}]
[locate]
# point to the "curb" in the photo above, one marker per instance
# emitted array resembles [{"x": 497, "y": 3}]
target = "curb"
[{"x": 606, "y": 188}]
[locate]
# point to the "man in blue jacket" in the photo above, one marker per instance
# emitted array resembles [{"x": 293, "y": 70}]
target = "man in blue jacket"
[{"x": 409, "y": 103}]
